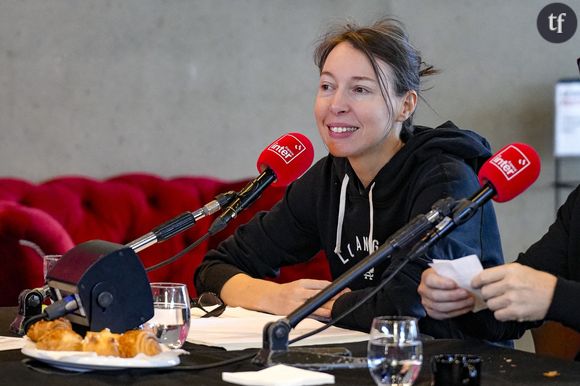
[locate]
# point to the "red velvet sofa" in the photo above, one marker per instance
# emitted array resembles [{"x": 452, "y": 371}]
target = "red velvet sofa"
[{"x": 52, "y": 216}]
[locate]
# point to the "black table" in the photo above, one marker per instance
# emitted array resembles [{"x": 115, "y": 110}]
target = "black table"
[{"x": 500, "y": 367}]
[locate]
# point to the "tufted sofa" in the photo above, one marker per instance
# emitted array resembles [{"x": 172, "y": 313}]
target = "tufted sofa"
[{"x": 52, "y": 216}]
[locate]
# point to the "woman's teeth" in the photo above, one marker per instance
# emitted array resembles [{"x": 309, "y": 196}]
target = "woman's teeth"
[{"x": 342, "y": 129}]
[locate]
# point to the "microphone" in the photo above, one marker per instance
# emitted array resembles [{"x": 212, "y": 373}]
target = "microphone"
[
  {"x": 283, "y": 161},
  {"x": 511, "y": 171},
  {"x": 505, "y": 175}
]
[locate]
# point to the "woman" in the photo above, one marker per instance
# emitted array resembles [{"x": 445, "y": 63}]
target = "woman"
[{"x": 381, "y": 171}]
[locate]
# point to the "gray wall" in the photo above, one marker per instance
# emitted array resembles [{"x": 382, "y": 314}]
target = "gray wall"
[{"x": 199, "y": 87}]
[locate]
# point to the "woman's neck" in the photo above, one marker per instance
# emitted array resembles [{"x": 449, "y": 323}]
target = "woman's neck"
[{"x": 367, "y": 166}]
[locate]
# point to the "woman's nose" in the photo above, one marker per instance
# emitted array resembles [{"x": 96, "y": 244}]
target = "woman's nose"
[{"x": 339, "y": 103}]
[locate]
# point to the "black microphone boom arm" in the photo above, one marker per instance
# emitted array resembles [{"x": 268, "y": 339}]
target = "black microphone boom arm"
[{"x": 181, "y": 223}]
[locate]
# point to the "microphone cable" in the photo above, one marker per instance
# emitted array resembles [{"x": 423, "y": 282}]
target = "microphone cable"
[
  {"x": 57, "y": 309},
  {"x": 251, "y": 353},
  {"x": 178, "y": 255}
]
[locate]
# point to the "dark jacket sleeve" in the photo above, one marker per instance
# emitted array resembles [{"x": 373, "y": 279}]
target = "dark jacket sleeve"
[
  {"x": 480, "y": 236},
  {"x": 260, "y": 247},
  {"x": 558, "y": 252},
  {"x": 565, "y": 307}
]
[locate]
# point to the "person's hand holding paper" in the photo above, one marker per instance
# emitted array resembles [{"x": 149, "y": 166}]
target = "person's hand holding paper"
[{"x": 462, "y": 271}]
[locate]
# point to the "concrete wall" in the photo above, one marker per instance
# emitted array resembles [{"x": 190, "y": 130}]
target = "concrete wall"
[{"x": 184, "y": 87}]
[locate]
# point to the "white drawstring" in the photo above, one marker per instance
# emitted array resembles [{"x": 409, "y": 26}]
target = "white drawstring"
[
  {"x": 340, "y": 222},
  {"x": 371, "y": 242},
  {"x": 341, "y": 208}
]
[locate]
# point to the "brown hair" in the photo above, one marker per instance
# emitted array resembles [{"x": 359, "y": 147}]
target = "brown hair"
[{"x": 384, "y": 40}]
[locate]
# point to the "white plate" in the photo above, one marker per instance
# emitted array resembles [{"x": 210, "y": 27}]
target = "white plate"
[{"x": 87, "y": 361}]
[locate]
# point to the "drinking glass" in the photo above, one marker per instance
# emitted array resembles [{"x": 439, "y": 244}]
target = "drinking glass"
[
  {"x": 48, "y": 261},
  {"x": 171, "y": 320},
  {"x": 395, "y": 351}
]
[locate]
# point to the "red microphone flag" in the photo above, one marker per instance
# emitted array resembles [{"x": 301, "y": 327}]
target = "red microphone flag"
[
  {"x": 289, "y": 157},
  {"x": 511, "y": 170}
]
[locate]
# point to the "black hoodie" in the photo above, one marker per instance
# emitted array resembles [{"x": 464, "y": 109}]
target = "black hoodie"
[{"x": 315, "y": 215}]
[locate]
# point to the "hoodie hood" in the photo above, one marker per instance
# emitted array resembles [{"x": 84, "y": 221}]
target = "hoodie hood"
[{"x": 425, "y": 144}]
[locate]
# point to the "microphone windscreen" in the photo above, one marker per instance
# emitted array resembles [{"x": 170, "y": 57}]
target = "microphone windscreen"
[
  {"x": 511, "y": 170},
  {"x": 289, "y": 157}
]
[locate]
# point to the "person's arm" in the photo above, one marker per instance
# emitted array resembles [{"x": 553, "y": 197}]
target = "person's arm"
[
  {"x": 565, "y": 307},
  {"x": 541, "y": 287},
  {"x": 280, "y": 299},
  {"x": 285, "y": 235},
  {"x": 237, "y": 268},
  {"x": 522, "y": 284}
]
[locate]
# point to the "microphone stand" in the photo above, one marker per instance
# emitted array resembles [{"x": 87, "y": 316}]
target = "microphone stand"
[{"x": 275, "y": 334}]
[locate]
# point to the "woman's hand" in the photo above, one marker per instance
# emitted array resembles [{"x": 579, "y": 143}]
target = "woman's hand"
[
  {"x": 292, "y": 295},
  {"x": 442, "y": 297}
]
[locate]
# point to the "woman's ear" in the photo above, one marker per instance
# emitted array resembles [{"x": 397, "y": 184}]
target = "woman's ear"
[{"x": 408, "y": 104}]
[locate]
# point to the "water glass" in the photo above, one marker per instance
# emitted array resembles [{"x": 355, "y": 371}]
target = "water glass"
[
  {"x": 48, "y": 261},
  {"x": 171, "y": 320},
  {"x": 395, "y": 351}
]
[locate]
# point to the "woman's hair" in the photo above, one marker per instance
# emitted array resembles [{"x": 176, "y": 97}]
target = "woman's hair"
[{"x": 385, "y": 40}]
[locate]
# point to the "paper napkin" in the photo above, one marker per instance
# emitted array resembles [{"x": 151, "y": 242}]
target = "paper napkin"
[
  {"x": 462, "y": 271},
  {"x": 279, "y": 375},
  {"x": 11, "y": 343}
]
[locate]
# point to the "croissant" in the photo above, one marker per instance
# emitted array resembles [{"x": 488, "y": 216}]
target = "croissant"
[
  {"x": 60, "y": 340},
  {"x": 104, "y": 343},
  {"x": 134, "y": 342},
  {"x": 42, "y": 327}
]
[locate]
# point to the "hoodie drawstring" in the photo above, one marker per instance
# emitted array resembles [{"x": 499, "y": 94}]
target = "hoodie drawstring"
[
  {"x": 340, "y": 222},
  {"x": 372, "y": 222},
  {"x": 341, "y": 208}
]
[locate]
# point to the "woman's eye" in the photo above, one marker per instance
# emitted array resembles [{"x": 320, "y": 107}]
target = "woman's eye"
[
  {"x": 361, "y": 90},
  {"x": 325, "y": 87}
]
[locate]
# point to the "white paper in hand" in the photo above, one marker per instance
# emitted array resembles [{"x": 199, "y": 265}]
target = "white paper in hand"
[
  {"x": 279, "y": 375},
  {"x": 462, "y": 271}
]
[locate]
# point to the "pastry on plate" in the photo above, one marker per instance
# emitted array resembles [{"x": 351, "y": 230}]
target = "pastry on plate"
[
  {"x": 42, "y": 327},
  {"x": 104, "y": 343},
  {"x": 134, "y": 342},
  {"x": 60, "y": 340}
]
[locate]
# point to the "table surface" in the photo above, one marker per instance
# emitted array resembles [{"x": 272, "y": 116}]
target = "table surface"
[{"x": 501, "y": 366}]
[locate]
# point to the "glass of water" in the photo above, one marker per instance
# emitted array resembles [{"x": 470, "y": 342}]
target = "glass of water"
[
  {"x": 395, "y": 351},
  {"x": 171, "y": 320}
]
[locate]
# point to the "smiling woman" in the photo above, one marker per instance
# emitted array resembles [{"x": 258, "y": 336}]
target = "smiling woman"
[
  {"x": 356, "y": 118},
  {"x": 381, "y": 171}
]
